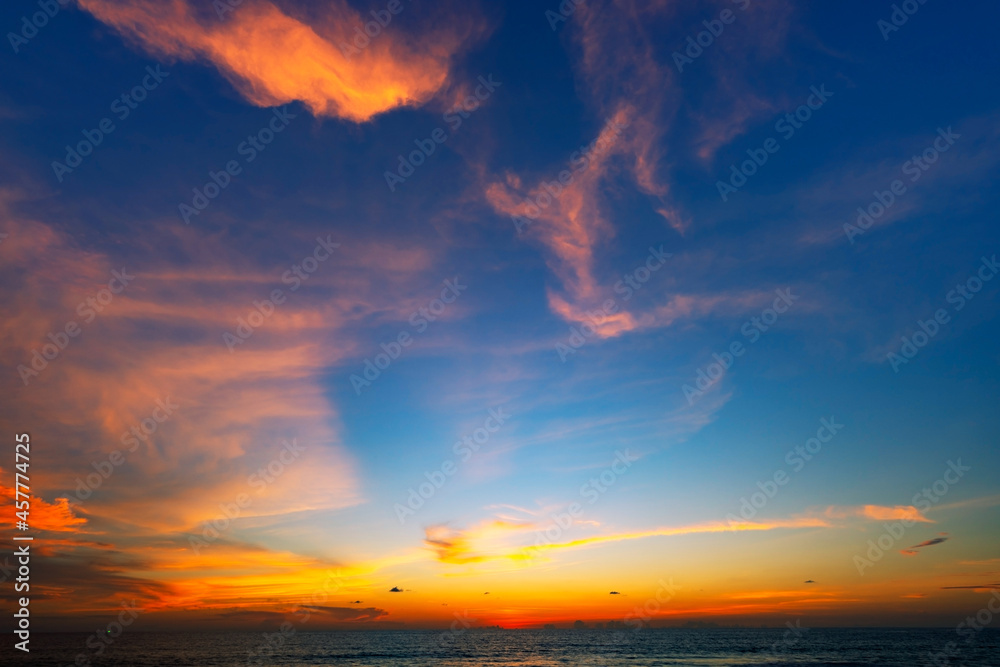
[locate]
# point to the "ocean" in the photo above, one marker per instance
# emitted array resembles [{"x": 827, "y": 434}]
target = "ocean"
[{"x": 677, "y": 647}]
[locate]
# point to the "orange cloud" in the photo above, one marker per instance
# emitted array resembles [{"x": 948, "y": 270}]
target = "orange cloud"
[
  {"x": 489, "y": 540},
  {"x": 626, "y": 81},
  {"x": 566, "y": 219},
  {"x": 484, "y": 542},
  {"x": 879, "y": 513},
  {"x": 629, "y": 89},
  {"x": 272, "y": 57},
  {"x": 457, "y": 546},
  {"x": 161, "y": 340},
  {"x": 56, "y": 517}
]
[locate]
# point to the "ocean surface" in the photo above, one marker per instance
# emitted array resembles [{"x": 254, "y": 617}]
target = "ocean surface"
[{"x": 680, "y": 647}]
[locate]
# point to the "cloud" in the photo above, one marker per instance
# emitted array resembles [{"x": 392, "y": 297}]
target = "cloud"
[
  {"x": 912, "y": 551},
  {"x": 228, "y": 585},
  {"x": 570, "y": 225},
  {"x": 54, "y": 517},
  {"x": 503, "y": 540},
  {"x": 485, "y": 542},
  {"x": 971, "y": 503},
  {"x": 456, "y": 546},
  {"x": 879, "y": 513},
  {"x": 395, "y": 589},
  {"x": 626, "y": 86},
  {"x": 637, "y": 95},
  {"x": 160, "y": 339},
  {"x": 273, "y": 57}
]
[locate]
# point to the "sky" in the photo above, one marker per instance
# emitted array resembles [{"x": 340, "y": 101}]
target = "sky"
[{"x": 521, "y": 313}]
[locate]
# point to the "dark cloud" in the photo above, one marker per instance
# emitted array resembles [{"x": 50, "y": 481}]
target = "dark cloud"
[{"x": 928, "y": 543}]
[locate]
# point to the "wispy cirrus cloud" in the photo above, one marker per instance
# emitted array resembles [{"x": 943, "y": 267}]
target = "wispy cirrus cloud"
[
  {"x": 161, "y": 338},
  {"x": 626, "y": 83},
  {"x": 504, "y": 539}
]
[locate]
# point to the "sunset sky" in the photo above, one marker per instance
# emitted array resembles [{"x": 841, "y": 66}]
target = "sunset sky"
[{"x": 526, "y": 313}]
